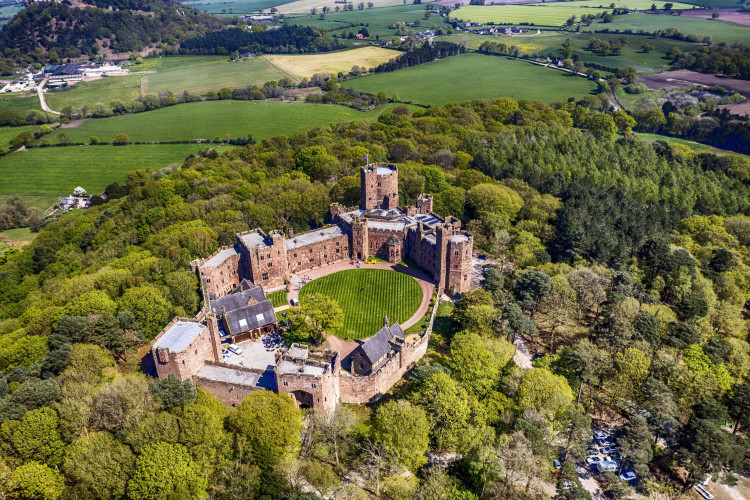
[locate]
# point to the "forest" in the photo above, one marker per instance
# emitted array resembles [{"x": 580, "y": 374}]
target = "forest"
[
  {"x": 287, "y": 39},
  {"x": 422, "y": 55},
  {"x": 732, "y": 61},
  {"x": 624, "y": 264}
]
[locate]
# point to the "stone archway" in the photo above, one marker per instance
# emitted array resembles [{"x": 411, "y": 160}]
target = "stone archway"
[{"x": 304, "y": 399}]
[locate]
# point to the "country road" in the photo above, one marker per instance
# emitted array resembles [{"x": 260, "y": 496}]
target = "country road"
[{"x": 42, "y": 100}]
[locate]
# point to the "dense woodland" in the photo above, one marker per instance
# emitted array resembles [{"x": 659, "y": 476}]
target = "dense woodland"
[
  {"x": 52, "y": 32},
  {"x": 626, "y": 265},
  {"x": 287, "y": 39},
  {"x": 421, "y": 55},
  {"x": 733, "y": 61}
]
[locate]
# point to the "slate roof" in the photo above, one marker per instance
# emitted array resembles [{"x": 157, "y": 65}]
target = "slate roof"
[
  {"x": 253, "y": 239},
  {"x": 179, "y": 336},
  {"x": 221, "y": 257},
  {"x": 378, "y": 345},
  {"x": 250, "y": 317},
  {"x": 315, "y": 236},
  {"x": 239, "y": 300}
]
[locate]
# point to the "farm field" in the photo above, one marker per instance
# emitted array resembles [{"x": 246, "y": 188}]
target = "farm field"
[
  {"x": 630, "y": 4},
  {"x": 474, "y": 76},
  {"x": 42, "y": 202},
  {"x": 685, "y": 78},
  {"x": 55, "y": 171},
  {"x": 232, "y": 7},
  {"x": 307, "y": 65},
  {"x": 719, "y": 31},
  {"x": 20, "y": 103},
  {"x": 8, "y": 133},
  {"x": 377, "y": 20},
  {"x": 304, "y": 6},
  {"x": 199, "y": 74},
  {"x": 551, "y": 41},
  {"x": 727, "y": 15},
  {"x": 364, "y": 295},
  {"x": 205, "y": 120},
  {"x": 104, "y": 91}
]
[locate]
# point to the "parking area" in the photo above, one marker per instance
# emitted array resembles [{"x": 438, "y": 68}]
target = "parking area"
[
  {"x": 603, "y": 455},
  {"x": 253, "y": 354}
]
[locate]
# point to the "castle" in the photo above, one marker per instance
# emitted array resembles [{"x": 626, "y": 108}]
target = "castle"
[
  {"x": 378, "y": 228},
  {"x": 236, "y": 309}
]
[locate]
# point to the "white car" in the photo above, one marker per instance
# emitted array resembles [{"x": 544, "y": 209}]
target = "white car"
[
  {"x": 235, "y": 349},
  {"x": 592, "y": 451},
  {"x": 601, "y": 436},
  {"x": 610, "y": 449},
  {"x": 593, "y": 460},
  {"x": 627, "y": 476},
  {"x": 606, "y": 442}
]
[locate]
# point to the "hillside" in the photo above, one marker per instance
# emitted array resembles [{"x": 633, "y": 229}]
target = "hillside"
[{"x": 106, "y": 27}]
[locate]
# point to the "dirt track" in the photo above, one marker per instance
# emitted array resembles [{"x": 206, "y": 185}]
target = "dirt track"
[{"x": 682, "y": 78}]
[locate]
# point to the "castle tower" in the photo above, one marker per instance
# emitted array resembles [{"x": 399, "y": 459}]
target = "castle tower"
[
  {"x": 460, "y": 250},
  {"x": 360, "y": 243},
  {"x": 379, "y": 186},
  {"x": 442, "y": 236}
]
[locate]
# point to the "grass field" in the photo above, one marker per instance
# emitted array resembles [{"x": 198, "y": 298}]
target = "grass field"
[
  {"x": 278, "y": 299},
  {"x": 232, "y": 7},
  {"x": 629, "y": 4},
  {"x": 719, "y": 31},
  {"x": 474, "y": 76},
  {"x": 304, "y": 6},
  {"x": 205, "y": 120},
  {"x": 8, "y": 133},
  {"x": 19, "y": 235},
  {"x": 42, "y": 202},
  {"x": 56, "y": 171},
  {"x": 20, "y": 103},
  {"x": 104, "y": 91},
  {"x": 377, "y": 20},
  {"x": 308, "y": 65},
  {"x": 199, "y": 74},
  {"x": 365, "y": 295},
  {"x": 551, "y": 41},
  {"x": 544, "y": 14}
]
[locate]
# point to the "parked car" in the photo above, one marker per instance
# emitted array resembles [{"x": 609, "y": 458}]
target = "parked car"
[
  {"x": 627, "y": 476},
  {"x": 235, "y": 349},
  {"x": 607, "y": 465},
  {"x": 702, "y": 491},
  {"x": 601, "y": 436},
  {"x": 606, "y": 442},
  {"x": 593, "y": 460},
  {"x": 609, "y": 450},
  {"x": 592, "y": 451},
  {"x": 558, "y": 465}
]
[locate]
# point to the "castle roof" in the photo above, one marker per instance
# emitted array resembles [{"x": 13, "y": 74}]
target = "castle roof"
[
  {"x": 385, "y": 170},
  {"x": 250, "y": 317},
  {"x": 253, "y": 239},
  {"x": 179, "y": 336},
  {"x": 220, "y": 257},
  {"x": 251, "y": 294},
  {"x": 459, "y": 238},
  {"x": 315, "y": 236},
  {"x": 379, "y": 344}
]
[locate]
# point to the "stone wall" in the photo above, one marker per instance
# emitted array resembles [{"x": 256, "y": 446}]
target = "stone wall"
[
  {"x": 368, "y": 389},
  {"x": 359, "y": 239},
  {"x": 226, "y": 392},
  {"x": 460, "y": 262},
  {"x": 316, "y": 391},
  {"x": 222, "y": 279},
  {"x": 379, "y": 191},
  {"x": 318, "y": 254},
  {"x": 267, "y": 266},
  {"x": 377, "y": 242},
  {"x": 185, "y": 364}
]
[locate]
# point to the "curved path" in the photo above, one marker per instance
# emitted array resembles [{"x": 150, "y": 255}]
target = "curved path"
[
  {"x": 42, "y": 100},
  {"x": 425, "y": 283}
]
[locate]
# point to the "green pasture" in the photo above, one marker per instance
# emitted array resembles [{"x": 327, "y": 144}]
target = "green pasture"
[
  {"x": 199, "y": 74},
  {"x": 552, "y": 41},
  {"x": 8, "y": 133},
  {"x": 104, "y": 91},
  {"x": 629, "y": 4},
  {"x": 278, "y": 299},
  {"x": 474, "y": 76},
  {"x": 365, "y": 295},
  {"x": 42, "y": 202},
  {"x": 205, "y": 120},
  {"x": 55, "y": 171},
  {"x": 20, "y": 103},
  {"x": 377, "y": 20},
  {"x": 719, "y": 31},
  {"x": 233, "y": 7}
]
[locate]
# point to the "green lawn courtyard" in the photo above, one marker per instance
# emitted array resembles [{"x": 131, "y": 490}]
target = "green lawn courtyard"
[{"x": 365, "y": 295}]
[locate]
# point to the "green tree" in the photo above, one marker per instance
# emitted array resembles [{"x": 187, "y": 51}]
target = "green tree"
[
  {"x": 487, "y": 200},
  {"x": 635, "y": 444},
  {"x": 545, "y": 392},
  {"x": 448, "y": 409},
  {"x": 163, "y": 470},
  {"x": 477, "y": 362},
  {"x": 121, "y": 140},
  {"x": 100, "y": 465},
  {"x": 148, "y": 305},
  {"x": 37, "y": 437},
  {"x": 407, "y": 441},
  {"x": 601, "y": 125},
  {"x": 623, "y": 121},
  {"x": 531, "y": 288},
  {"x": 321, "y": 476},
  {"x": 322, "y": 316},
  {"x": 270, "y": 423},
  {"x": 35, "y": 481},
  {"x": 171, "y": 392}
]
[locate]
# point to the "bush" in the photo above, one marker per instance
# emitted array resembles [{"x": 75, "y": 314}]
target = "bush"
[
  {"x": 636, "y": 88},
  {"x": 121, "y": 140}
]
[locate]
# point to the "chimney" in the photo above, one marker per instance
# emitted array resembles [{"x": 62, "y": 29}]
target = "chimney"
[{"x": 291, "y": 232}]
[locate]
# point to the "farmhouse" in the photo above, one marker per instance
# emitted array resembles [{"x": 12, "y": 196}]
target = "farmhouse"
[{"x": 236, "y": 308}]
